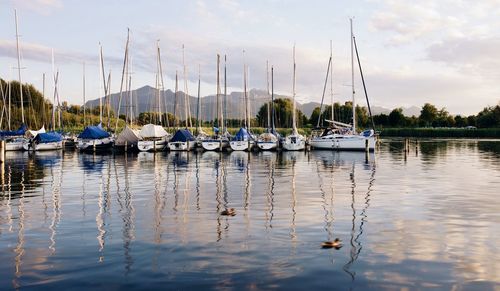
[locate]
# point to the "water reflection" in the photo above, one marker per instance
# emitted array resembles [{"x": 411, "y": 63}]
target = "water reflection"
[{"x": 147, "y": 220}]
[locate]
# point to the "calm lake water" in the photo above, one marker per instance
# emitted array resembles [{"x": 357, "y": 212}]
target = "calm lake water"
[{"x": 428, "y": 219}]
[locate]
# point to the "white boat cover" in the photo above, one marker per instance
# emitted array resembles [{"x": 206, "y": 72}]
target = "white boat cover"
[
  {"x": 129, "y": 135},
  {"x": 34, "y": 133},
  {"x": 267, "y": 137},
  {"x": 152, "y": 131}
]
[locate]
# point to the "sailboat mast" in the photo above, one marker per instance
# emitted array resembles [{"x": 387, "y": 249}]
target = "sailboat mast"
[
  {"x": 9, "y": 88},
  {"x": 273, "y": 130},
  {"x": 43, "y": 99},
  {"x": 247, "y": 114},
  {"x": 294, "y": 118},
  {"x": 352, "y": 80},
  {"x": 198, "y": 107},
  {"x": 55, "y": 92},
  {"x": 331, "y": 81},
  {"x": 175, "y": 97},
  {"x": 221, "y": 121},
  {"x": 218, "y": 93},
  {"x": 225, "y": 95},
  {"x": 268, "y": 105},
  {"x": 244, "y": 90},
  {"x": 84, "y": 109},
  {"x": 159, "y": 73},
  {"x": 19, "y": 69}
]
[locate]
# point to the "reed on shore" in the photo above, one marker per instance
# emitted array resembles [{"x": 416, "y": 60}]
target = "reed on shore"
[{"x": 441, "y": 132}]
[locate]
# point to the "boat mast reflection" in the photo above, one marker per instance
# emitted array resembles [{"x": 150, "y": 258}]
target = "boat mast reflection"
[
  {"x": 19, "y": 249},
  {"x": 271, "y": 164},
  {"x": 356, "y": 234}
]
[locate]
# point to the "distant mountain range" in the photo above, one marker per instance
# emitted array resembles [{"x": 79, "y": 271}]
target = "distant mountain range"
[{"x": 145, "y": 99}]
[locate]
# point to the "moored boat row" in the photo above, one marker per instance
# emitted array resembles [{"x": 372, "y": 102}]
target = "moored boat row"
[{"x": 153, "y": 137}]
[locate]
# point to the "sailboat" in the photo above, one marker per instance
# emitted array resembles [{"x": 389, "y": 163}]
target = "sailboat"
[
  {"x": 341, "y": 136},
  {"x": 183, "y": 139},
  {"x": 269, "y": 140},
  {"x": 243, "y": 139},
  {"x": 294, "y": 141},
  {"x": 14, "y": 140},
  {"x": 95, "y": 138},
  {"x": 154, "y": 137},
  {"x": 219, "y": 140}
]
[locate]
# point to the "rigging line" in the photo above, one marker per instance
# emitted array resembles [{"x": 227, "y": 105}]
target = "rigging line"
[
  {"x": 363, "y": 81},
  {"x": 162, "y": 92},
  {"x": 125, "y": 60},
  {"x": 324, "y": 90}
]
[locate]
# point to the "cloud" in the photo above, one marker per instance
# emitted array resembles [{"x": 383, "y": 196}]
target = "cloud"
[
  {"x": 44, "y": 7},
  {"x": 478, "y": 56},
  {"x": 416, "y": 21},
  {"x": 41, "y": 53}
]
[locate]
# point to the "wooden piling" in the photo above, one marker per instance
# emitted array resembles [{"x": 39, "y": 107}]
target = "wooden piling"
[{"x": 2, "y": 151}]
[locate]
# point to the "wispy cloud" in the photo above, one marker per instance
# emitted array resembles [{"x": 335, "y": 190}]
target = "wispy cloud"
[
  {"x": 42, "y": 53},
  {"x": 478, "y": 56},
  {"x": 419, "y": 21}
]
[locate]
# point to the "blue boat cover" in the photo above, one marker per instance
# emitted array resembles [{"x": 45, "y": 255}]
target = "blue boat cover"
[
  {"x": 242, "y": 135},
  {"x": 182, "y": 135},
  {"x": 47, "y": 137},
  {"x": 94, "y": 132},
  {"x": 21, "y": 131},
  {"x": 367, "y": 133}
]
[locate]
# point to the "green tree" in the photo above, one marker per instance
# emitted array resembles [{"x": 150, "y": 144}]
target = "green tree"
[
  {"x": 428, "y": 114},
  {"x": 282, "y": 114},
  {"x": 460, "y": 121},
  {"x": 314, "y": 117},
  {"x": 489, "y": 117},
  {"x": 396, "y": 117}
]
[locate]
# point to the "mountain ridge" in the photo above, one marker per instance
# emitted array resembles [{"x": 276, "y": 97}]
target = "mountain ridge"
[{"x": 144, "y": 99}]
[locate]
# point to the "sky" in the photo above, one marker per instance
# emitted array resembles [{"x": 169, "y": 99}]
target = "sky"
[{"x": 444, "y": 52}]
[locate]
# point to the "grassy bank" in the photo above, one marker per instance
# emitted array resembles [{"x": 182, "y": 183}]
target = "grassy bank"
[{"x": 441, "y": 132}]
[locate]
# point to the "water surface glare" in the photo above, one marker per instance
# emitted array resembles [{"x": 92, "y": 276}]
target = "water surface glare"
[{"x": 424, "y": 219}]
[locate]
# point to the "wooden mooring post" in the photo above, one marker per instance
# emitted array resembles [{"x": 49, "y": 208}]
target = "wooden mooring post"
[{"x": 2, "y": 151}]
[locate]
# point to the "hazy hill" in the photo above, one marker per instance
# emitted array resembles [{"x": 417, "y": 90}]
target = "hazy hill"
[{"x": 145, "y": 99}]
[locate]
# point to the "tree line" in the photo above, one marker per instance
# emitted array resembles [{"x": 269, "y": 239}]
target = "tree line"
[
  {"x": 430, "y": 116},
  {"x": 38, "y": 111}
]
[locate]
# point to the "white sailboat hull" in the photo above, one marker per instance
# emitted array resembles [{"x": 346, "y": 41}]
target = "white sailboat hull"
[
  {"x": 151, "y": 145},
  {"x": 241, "y": 145},
  {"x": 15, "y": 144},
  {"x": 294, "y": 143},
  {"x": 182, "y": 145},
  {"x": 214, "y": 144},
  {"x": 94, "y": 144},
  {"x": 267, "y": 145},
  {"x": 48, "y": 146},
  {"x": 343, "y": 143}
]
